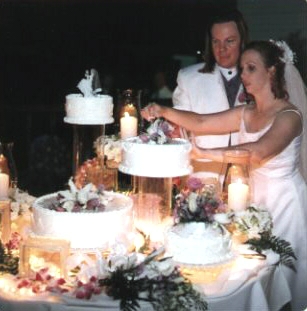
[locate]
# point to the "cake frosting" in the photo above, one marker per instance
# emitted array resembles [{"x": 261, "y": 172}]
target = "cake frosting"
[
  {"x": 156, "y": 154},
  {"x": 93, "y": 110},
  {"x": 168, "y": 160},
  {"x": 198, "y": 243},
  {"x": 88, "y": 222}
]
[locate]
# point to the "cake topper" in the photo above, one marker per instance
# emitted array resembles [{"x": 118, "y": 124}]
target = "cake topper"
[{"x": 90, "y": 85}]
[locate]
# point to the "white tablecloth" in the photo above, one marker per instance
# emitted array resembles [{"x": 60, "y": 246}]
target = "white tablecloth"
[{"x": 251, "y": 285}]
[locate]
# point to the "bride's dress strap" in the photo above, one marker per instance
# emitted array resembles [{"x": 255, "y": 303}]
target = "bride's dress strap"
[{"x": 293, "y": 110}]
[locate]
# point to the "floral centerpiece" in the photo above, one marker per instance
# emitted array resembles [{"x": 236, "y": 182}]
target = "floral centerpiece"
[
  {"x": 197, "y": 202},
  {"x": 21, "y": 202},
  {"x": 87, "y": 199},
  {"x": 256, "y": 224},
  {"x": 103, "y": 167},
  {"x": 110, "y": 148},
  {"x": 159, "y": 132}
]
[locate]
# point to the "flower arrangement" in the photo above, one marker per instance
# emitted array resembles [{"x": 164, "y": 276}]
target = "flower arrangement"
[
  {"x": 159, "y": 132},
  {"x": 197, "y": 202},
  {"x": 128, "y": 278},
  {"x": 256, "y": 223},
  {"x": 87, "y": 199},
  {"x": 110, "y": 148},
  {"x": 21, "y": 202},
  {"x": 153, "y": 279},
  {"x": 253, "y": 222}
]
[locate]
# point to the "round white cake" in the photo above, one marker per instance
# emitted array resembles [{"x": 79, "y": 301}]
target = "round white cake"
[
  {"x": 156, "y": 160},
  {"x": 198, "y": 243},
  {"x": 85, "y": 230},
  {"x": 93, "y": 110}
]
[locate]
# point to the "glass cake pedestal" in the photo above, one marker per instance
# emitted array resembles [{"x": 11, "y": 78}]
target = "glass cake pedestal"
[
  {"x": 152, "y": 205},
  {"x": 89, "y": 167}
]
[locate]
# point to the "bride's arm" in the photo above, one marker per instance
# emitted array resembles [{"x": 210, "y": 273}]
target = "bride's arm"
[
  {"x": 214, "y": 123},
  {"x": 283, "y": 130}
]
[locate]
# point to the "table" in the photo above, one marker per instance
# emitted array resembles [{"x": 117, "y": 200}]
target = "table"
[{"x": 251, "y": 285}]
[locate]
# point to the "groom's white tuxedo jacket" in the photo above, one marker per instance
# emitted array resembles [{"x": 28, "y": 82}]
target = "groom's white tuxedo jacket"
[{"x": 204, "y": 93}]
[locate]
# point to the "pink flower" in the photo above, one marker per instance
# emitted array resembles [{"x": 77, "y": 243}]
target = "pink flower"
[
  {"x": 194, "y": 183},
  {"x": 14, "y": 242},
  {"x": 242, "y": 97}
]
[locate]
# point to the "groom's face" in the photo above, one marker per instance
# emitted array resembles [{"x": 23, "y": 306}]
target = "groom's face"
[{"x": 226, "y": 44}]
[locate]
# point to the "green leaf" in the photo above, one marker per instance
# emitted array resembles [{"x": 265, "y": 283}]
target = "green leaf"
[{"x": 279, "y": 246}]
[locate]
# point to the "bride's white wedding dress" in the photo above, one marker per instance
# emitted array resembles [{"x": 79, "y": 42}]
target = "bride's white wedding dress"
[{"x": 279, "y": 186}]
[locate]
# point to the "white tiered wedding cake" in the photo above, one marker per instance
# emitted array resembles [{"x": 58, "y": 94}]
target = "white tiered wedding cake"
[{"x": 89, "y": 218}]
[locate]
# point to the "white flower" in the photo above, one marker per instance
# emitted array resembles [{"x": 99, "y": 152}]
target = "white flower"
[
  {"x": 122, "y": 262},
  {"x": 21, "y": 202},
  {"x": 254, "y": 221},
  {"x": 156, "y": 268},
  {"x": 165, "y": 266},
  {"x": 15, "y": 207},
  {"x": 24, "y": 208},
  {"x": 222, "y": 218},
  {"x": 192, "y": 202},
  {"x": 72, "y": 187},
  {"x": 289, "y": 56},
  {"x": 84, "y": 193},
  {"x": 14, "y": 215},
  {"x": 109, "y": 146},
  {"x": 68, "y": 205}
]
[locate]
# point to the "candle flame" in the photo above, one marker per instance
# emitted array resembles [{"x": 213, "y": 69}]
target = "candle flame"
[{"x": 126, "y": 114}]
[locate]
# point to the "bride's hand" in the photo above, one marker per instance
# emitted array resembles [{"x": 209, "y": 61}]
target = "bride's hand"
[
  {"x": 196, "y": 152},
  {"x": 151, "y": 112}
]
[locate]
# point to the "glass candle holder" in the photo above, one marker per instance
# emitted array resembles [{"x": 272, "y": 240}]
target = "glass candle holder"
[
  {"x": 5, "y": 220},
  {"x": 8, "y": 171},
  {"x": 235, "y": 179},
  {"x": 128, "y": 116}
]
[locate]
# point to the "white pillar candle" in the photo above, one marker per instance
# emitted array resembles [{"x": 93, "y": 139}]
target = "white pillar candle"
[
  {"x": 4, "y": 185},
  {"x": 128, "y": 126},
  {"x": 237, "y": 196}
]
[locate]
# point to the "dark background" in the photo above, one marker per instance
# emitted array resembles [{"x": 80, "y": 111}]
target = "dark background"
[{"x": 46, "y": 46}]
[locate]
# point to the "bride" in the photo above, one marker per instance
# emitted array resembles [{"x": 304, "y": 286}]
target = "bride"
[{"x": 271, "y": 128}]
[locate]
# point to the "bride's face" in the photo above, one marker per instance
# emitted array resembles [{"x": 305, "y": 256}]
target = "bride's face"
[{"x": 255, "y": 76}]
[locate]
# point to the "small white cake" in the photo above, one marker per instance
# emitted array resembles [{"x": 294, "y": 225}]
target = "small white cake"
[
  {"x": 93, "y": 110},
  {"x": 198, "y": 243},
  {"x": 156, "y": 160},
  {"x": 85, "y": 230}
]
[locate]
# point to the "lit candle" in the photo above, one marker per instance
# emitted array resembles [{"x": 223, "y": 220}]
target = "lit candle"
[
  {"x": 128, "y": 126},
  {"x": 237, "y": 196},
  {"x": 4, "y": 185}
]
